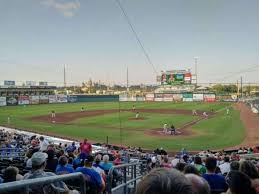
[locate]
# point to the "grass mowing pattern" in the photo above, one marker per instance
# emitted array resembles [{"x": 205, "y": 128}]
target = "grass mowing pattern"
[{"x": 218, "y": 132}]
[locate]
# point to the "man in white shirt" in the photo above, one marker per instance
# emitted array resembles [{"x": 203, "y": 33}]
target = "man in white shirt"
[
  {"x": 43, "y": 144},
  {"x": 225, "y": 167}
]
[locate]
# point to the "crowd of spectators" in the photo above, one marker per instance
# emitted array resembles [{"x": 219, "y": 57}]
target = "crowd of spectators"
[{"x": 202, "y": 173}]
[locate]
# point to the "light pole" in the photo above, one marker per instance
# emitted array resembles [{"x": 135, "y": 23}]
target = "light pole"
[{"x": 196, "y": 70}]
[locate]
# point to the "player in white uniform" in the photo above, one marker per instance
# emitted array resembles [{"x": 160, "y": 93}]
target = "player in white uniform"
[
  {"x": 194, "y": 112},
  {"x": 137, "y": 115},
  {"x": 8, "y": 120},
  {"x": 133, "y": 108},
  {"x": 53, "y": 114},
  {"x": 205, "y": 114},
  {"x": 227, "y": 111},
  {"x": 165, "y": 128}
]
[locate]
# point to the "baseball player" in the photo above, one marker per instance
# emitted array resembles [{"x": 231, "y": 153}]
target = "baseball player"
[
  {"x": 165, "y": 128},
  {"x": 227, "y": 111},
  {"x": 8, "y": 120},
  {"x": 173, "y": 130},
  {"x": 194, "y": 112},
  {"x": 133, "y": 108},
  {"x": 137, "y": 115},
  {"x": 205, "y": 114},
  {"x": 82, "y": 109},
  {"x": 53, "y": 114}
]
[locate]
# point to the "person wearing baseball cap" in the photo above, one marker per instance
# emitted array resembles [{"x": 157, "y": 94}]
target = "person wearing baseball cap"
[{"x": 38, "y": 161}]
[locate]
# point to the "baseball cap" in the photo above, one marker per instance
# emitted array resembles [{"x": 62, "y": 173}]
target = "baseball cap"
[
  {"x": 38, "y": 158},
  {"x": 89, "y": 158}
]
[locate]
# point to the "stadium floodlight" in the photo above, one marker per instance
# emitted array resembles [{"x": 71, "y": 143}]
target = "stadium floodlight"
[{"x": 196, "y": 58}]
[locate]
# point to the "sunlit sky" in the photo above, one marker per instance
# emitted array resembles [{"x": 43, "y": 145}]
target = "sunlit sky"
[{"x": 92, "y": 37}]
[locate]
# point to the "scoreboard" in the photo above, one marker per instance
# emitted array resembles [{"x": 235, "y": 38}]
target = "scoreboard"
[{"x": 175, "y": 77}]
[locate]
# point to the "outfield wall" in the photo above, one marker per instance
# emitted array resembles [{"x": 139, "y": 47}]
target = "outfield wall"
[{"x": 60, "y": 98}]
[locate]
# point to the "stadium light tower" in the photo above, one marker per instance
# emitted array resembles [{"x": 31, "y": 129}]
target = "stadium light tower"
[{"x": 196, "y": 71}]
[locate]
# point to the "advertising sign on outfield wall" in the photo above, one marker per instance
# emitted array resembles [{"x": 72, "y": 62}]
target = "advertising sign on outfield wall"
[
  {"x": 23, "y": 100},
  {"x": 168, "y": 97},
  {"x": 187, "y": 99},
  {"x": 12, "y": 101},
  {"x": 52, "y": 99},
  {"x": 159, "y": 99},
  {"x": 132, "y": 98},
  {"x": 44, "y": 99},
  {"x": 140, "y": 98},
  {"x": 209, "y": 97},
  {"x": 150, "y": 97},
  {"x": 61, "y": 98},
  {"x": 198, "y": 97},
  {"x": 2, "y": 101},
  {"x": 123, "y": 98},
  {"x": 34, "y": 99},
  {"x": 177, "y": 97},
  {"x": 72, "y": 99}
]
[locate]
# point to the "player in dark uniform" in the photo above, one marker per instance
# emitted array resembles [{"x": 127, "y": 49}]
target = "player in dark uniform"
[{"x": 173, "y": 130}]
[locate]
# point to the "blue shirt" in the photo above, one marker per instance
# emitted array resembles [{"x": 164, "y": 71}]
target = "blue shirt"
[
  {"x": 91, "y": 176},
  {"x": 105, "y": 166},
  {"x": 217, "y": 182},
  {"x": 64, "y": 170}
]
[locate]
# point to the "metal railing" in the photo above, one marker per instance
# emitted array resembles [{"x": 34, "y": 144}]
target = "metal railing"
[
  {"x": 129, "y": 174},
  {"x": 26, "y": 184}
]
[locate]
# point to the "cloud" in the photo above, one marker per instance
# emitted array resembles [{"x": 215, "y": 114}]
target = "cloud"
[{"x": 67, "y": 8}]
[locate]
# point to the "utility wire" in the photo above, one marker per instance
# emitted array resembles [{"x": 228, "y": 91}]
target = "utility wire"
[{"x": 136, "y": 36}]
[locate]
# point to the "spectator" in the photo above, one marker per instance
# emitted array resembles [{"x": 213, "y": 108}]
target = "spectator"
[
  {"x": 239, "y": 183},
  {"x": 96, "y": 165},
  {"x": 52, "y": 162},
  {"x": 199, "y": 184},
  {"x": 70, "y": 162},
  {"x": 38, "y": 167},
  {"x": 234, "y": 165},
  {"x": 164, "y": 181},
  {"x": 180, "y": 166},
  {"x": 249, "y": 169},
  {"x": 92, "y": 177},
  {"x": 11, "y": 174},
  {"x": 105, "y": 164},
  {"x": 86, "y": 148},
  {"x": 225, "y": 167},
  {"x": 117, "y": 160},
  {"x": 62, "y": 167},
  {"x": 198, "y": 165},
  {"x": 71, "y": 148},
  {"x": 166, "y": 164},
  {"x": 190, "y": 169},
  {"x": 217, "y": 182},
  {"x": 43, "y": 144}
]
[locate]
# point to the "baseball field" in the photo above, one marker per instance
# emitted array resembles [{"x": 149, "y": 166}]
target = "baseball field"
[{"x": 101, "y": 120}]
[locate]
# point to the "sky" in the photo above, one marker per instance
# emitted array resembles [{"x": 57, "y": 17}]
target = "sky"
[{"x": 93, "y": 39}]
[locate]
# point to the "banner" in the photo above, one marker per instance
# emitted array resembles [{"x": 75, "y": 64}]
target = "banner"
[
  {"x": 34, "y": 99},
  {"x": 159, "y": 95},
  {"x": 44, "y": 99},
  {"x": 132, "y": 98},
  {"x": 30, "y": 83},
  {"x": 209, "y": 97},
  {"x": 168, "y": 97},
  {"x": 61, "y": 98},
  {"x": 52, "y": 99},
  {"x": 2, "y": 101},
  {"x": 12, "y": 101},
  {"x": 43, "y": 83},
  {"x": 187, "y": 95},
  {"x": 140, "y": 98},
  {"x": 9, "y": 83},
  {"x": 177, "y": 97},
  {"x": 123, "y": 98},
  {"x": 159, "y": 99},
  {"x": 72, "y": 99},
  {"x": 22, "y": 100},
  {"x": 187, "y": 99},
  {"x": 198, "y": 97}
]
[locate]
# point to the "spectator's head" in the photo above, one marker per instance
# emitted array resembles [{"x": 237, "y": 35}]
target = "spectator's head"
[
  {"x": 226, "y": 159},
  {"x": 51, "y": 154},
  {"x": 63, "y": 161},
  {"x": 73, "y": 143},
  {"x": 211, "y": 164},
  {"x": 249, "y": 169},
  {"x": 239, "y": 183},
  {"x": 165, "y": 160},
  {"x": 98, "y": 159},
  {"x": 38, "y": 160},
  {"x": 197, "y": 160},
  {"x": 41, "y": 138},
  {"x": 85, "y": 140},
  {"x": 234, "y": 165},
  {"x": 89, "y": 161},
  {"x": 164, "y": 181},
  {"x": 180, "y": 166},
  {"x": 199, "y": 185},
  {"x": 106, "y": 158},
  {"x": 190, "y": 169},
  {"x": 70, "y": 160},
  {"x": 10, "y": 174}
]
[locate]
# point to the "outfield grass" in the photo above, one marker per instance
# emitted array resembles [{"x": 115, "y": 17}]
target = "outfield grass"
[{"x": 218, "y": 132}]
